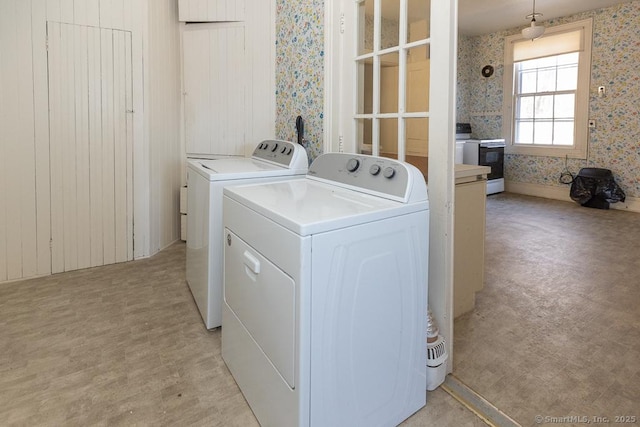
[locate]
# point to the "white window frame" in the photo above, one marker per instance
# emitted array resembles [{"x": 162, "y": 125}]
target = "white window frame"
[{"x": 581, "y": 134}]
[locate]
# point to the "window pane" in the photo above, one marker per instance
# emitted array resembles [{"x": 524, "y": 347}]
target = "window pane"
[
  {"x": 365, "y": 27},
  {"x": 565, "y": 106},
  {"x": 364, "y": 133},
  {"x": 389, "y": 136},
  {"x": 389, "y": 83},
  {"x": 568, "y": 78},
  {"x": 569, "y": 58},
  {"x": 390, "y": 24},
  {"x": 547, "y": 80},
  {"x": 417, "y": 134},
  {"x": 419, "y": 19},
  {"x": 528, "y": 81},
  {"x": 544, "y": 107},
  {"x": 365, "y": 87},
  {"x": 524, "y": 132},
  {"x": 525, "y": 107},
  {"x": 543, "y": 132},
  {"x": 563, "y": 132},
  {"x": 417, "y": 80}
]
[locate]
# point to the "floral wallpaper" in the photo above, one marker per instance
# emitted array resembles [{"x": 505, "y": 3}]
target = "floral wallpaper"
[
  {"x": 300, "y": 71},
  {"x": 615, "y": 142}
]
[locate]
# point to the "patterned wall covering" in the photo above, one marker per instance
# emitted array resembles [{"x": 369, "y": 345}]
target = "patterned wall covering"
[
  {"x": 300, "y": 71},
  {"x": 614, "y": 144}
]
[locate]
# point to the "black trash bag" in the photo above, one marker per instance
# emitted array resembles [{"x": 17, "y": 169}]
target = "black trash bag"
[{"x": 596, "y": 188}]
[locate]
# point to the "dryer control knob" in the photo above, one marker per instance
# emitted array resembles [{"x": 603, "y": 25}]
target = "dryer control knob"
[
  {"x": 275, "y": 147},
  {"x": 265, "y": 146},
  {"x": 389, "y": 172},
  {"x": 374, "y": 170},
  {"x": 353, "y": 165},
  {"x": 289, "y": 152},
  {"x": 284, "y": 150}
]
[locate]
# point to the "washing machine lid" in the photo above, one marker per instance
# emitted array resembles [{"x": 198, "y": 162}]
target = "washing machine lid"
[
  {"x": 270, "y": 158},
  {"x": 307, "y": 206}
]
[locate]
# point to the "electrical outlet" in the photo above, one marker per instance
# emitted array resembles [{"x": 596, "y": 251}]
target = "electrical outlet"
[{"x": 592, "y": 124}]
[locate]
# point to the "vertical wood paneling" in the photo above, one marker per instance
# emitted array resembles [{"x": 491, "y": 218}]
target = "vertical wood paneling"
[
  {"x": 67, "y": 11},
  {"x": 83, "y": 194},
  {"x": 164, "y": 115},
  {"x": 6, "y": 9},
  {"x": 128, "y": 75},
  {"x": 86, "y": 89},
  {"x": 68, "y": 143},
  {"x": 11, "y": 166},
  {"x": 120, "y": 146},
  {"x": 214, "y": 79},
  {"x": 41, "y": 134},
  {"x": 26, "y": 154},
  {"x": 53, "y": 10},
  {"x": 108, "y": 156},
  {"x": 196, "y": 73},
  {"x": 54, "y": 33},
  {"x": 95, "y": 148}
]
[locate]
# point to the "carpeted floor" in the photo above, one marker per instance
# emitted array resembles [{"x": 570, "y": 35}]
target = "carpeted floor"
[{"x": 556, "y": 330}]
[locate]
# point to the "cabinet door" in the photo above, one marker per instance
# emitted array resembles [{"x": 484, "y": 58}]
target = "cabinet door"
[
  {"x": 215, "y": 85},
  {"x": 210, "y": 10}
]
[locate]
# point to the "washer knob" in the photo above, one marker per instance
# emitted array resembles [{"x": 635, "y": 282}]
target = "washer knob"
[
  {"x": 265, "y": 146},
  {"x": 374, "y": 170},
  {"x": 284, "y": 149},
  {"x": 389, "y": 172},
  {"x": 275, "y": 147},
  {"x": 289, "y": 152},
  {"x": 353, "y": 165}
]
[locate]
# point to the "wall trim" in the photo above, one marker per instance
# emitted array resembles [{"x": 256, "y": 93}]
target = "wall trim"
[{"x": 631, "y": 204}]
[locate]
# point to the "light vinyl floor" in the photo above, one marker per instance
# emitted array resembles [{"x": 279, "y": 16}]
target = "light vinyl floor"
[
  {"x": 124, "y": 345},
  {"x": 556, "y": 330}
]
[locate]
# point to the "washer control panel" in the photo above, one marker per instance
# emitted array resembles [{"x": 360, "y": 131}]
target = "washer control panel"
[
  {"x": 280, "y": 152},
  {"x": 376, "y": 175}
]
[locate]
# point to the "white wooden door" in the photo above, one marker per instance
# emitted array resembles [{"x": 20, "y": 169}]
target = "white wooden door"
[
  {"x": 215, "y": 83},
  {"x": 91, "y": 146}
]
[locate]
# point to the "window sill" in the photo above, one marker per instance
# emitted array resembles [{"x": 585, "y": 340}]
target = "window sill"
[{"x": 570, "y": 152}]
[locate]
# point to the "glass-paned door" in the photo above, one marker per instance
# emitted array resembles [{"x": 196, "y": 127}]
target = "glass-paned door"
[{"x": 392, "y": 79}]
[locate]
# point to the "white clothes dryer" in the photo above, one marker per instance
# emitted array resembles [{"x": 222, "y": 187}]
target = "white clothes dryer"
[
  {"x": 271, "y": 160},
  {"x": 325, "y": 293}
]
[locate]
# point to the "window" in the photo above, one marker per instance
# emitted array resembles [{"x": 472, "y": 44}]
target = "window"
[{"x": 547, "y": 92}]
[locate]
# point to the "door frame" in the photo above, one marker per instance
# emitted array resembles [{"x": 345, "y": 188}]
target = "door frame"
[{"x": 340, "y": 97}]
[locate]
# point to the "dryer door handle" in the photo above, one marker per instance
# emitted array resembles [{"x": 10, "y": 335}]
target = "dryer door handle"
[{"x": 251, "y": 262}]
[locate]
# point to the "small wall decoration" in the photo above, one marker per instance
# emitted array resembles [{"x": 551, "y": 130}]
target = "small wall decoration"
[{"x": 487, "y": 71}]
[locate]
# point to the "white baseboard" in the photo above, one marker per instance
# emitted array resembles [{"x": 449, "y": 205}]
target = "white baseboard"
[{"x": 631, "y": 204}]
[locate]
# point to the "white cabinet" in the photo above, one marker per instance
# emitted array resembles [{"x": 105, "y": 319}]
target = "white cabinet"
[
  {"x": 229, "y": 82},
  {"x": 211, "y": 10},
  {"x": 214, "y": 89}
]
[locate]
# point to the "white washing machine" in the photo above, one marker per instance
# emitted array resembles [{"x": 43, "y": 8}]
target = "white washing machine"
[
  {"x": 325, "y": 299},
  {"x": 271, "y": 160}
]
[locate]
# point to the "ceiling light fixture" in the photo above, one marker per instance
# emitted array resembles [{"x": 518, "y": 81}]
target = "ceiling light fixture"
[{"x": 533, "y": 32}]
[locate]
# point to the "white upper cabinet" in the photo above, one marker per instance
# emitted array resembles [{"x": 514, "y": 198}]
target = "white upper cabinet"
[{"x": 211, "y": 10}]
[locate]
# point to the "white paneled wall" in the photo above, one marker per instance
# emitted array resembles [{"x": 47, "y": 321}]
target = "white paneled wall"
[
  {"x": 214, "y": 89},
  {"x": 26, "y": 194},
  {"x": 163, "y": 100},
  {"x": 91, "y": 150}
]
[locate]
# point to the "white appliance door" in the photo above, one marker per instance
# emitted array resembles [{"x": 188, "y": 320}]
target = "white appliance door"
[{"x": 263, "y": 298}]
